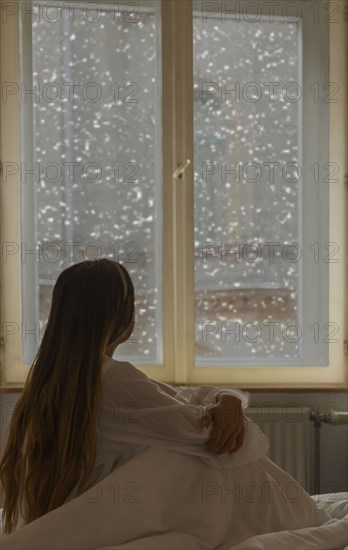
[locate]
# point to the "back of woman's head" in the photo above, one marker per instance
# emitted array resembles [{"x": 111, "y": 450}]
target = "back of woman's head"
[
  {"x": 92, "y": 301},
  {"x": 52, "y": 440}
]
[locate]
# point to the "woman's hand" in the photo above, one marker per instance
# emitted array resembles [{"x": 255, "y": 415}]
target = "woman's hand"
[{"x": 227, "y": 435}]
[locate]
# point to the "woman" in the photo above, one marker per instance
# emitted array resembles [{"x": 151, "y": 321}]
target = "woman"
[
  {"x": 82, "y": 414},
  {"x": 53, "y": 445}
]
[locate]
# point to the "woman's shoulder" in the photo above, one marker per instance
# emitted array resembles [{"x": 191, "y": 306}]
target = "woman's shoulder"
[
  {"x": 121, "y": 369},
  {"x": 122, "y": 381}
]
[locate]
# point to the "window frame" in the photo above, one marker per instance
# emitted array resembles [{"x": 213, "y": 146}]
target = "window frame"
[
  {"x": 335, "y": 373},
  {"x": 178, "y": 209}
]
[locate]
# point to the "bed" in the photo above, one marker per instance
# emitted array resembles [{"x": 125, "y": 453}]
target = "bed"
[{"x": 155, "y": 502}]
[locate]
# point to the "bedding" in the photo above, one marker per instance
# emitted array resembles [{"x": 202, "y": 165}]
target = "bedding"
[
  {"x": 163, "y": 499},
  {"x": 166, "y": 490}
]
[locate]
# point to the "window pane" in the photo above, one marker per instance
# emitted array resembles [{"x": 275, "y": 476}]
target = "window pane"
[
  {"x": 247, "y": 190},
  {"x": 97, "y": 154}
]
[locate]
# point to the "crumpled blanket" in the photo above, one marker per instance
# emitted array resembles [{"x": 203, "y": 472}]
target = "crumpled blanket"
[
  {"x": 163, "y": 499},
  {"x": 168, "y": 491}
]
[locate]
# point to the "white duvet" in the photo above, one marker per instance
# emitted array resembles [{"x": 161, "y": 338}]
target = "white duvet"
[
  {"x": 162, "y": 500},
  {"x": 169, "y": 492}
]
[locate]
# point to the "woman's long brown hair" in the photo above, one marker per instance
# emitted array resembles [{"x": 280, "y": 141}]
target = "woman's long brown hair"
[{"x": 51, "y": 447}]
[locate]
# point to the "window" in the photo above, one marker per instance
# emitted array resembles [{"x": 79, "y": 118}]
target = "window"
[
  {"x": 237, "y": 260},
  {"x": 249, "y": 195},
  {"x": 91, "y": 185}
]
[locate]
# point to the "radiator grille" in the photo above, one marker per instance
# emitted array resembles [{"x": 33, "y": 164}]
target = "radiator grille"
[{"x": 288, "y": 430}]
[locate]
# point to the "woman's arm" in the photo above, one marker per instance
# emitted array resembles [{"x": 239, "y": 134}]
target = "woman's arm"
[
  {"x": 137, "y": 411},
  {"x": 202, "y": 395}
]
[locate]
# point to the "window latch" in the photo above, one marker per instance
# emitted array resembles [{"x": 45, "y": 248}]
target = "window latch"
[{"x": 181, "y": 169}]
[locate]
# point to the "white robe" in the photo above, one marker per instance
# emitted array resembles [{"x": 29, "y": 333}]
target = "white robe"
[
  {"x": 156, "y": 485},
  {"x": 139, "y": 412}
]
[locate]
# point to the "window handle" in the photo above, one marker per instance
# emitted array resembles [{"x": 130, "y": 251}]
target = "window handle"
[{"x": 181, "y": 169}]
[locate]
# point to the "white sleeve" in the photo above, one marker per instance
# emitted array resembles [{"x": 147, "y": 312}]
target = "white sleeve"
[
  {"x": 137, "y": 411},
  {"x": 202, "y": 395}
]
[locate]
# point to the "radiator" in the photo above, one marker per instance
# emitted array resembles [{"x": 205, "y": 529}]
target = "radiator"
[{"x": 288, "y": 429}]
